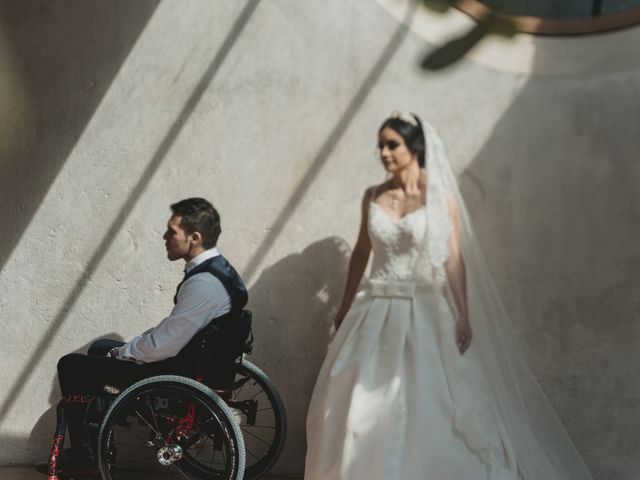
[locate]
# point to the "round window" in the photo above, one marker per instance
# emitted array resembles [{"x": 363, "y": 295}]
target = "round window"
[{"x": 559, "y": 17}]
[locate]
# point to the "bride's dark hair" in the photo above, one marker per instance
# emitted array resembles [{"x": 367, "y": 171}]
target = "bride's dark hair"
[{"x": 409, "y": 127}]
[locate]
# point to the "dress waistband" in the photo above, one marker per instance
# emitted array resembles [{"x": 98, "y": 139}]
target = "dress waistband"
[{"x": 397, "y": 289}]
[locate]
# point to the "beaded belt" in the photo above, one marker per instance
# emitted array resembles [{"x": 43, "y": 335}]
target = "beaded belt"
[{"x": 396, "y": 289}]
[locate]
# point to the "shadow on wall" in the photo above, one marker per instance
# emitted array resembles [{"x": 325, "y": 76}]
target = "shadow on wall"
[
  {"x": 321, "y": 157},
  {"x": 554, "y": 198},
  {"x": 67, "y": 54},
  {"x": 42, "y": 432},
  {"x": 305, "y": 290}
]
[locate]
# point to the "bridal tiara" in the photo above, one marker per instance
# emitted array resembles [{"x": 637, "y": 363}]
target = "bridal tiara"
[{"x": 405, "y": 117}]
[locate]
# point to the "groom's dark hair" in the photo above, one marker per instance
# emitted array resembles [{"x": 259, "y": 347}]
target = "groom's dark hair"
[{"x": 198, "y": 215}]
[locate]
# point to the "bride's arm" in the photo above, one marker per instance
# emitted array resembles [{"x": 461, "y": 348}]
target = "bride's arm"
[
  {"x": 357, "y": 263},
  {"x": 457, "y": 279}
]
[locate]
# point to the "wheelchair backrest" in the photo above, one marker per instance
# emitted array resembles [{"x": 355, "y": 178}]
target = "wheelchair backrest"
[{"x": 213, "y": 351}]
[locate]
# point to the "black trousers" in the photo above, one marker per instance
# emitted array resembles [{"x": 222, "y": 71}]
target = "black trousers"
[{"x": 88, "y": 374}]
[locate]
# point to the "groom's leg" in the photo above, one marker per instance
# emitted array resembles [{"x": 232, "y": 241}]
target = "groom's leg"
[{"x": 82, "y": 377}]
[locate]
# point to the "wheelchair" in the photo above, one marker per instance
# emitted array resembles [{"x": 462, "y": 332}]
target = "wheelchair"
[{"x": 224, "y": 422}]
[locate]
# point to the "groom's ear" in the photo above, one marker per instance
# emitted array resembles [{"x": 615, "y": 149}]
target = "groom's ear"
[{"x": 196, "y": 238}]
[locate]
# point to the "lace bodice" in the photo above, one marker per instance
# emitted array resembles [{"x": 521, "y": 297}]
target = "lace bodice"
[{"x": 399, "y": 252}]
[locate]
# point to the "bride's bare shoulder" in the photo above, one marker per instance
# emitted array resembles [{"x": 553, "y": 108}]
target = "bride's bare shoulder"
[{"x": 375, "y": 191}]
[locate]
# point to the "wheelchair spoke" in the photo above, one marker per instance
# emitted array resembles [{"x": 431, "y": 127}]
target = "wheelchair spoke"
[
  {"x": 134, "y": 462},
  {"x": 212, "y": 460},
  {"x": 237, "y": 392},
  {"x": 131, "y": 433},
  {"x": 257, "y": 438},
  {"x": 239, "y": 386},
  {"x": 183, "y": 474},
  {"x": 141, "y": 447},
  {"x": 265, "y": 409},
  {"x": 156, "y": 431},
  {"x": 250, "y": 452},
  {"x": 200, "y": 449},
  {"x": 153, "y": 415}
]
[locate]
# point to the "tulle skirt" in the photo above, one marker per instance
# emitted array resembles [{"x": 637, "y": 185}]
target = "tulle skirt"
[{"x": 382, "y": 406}]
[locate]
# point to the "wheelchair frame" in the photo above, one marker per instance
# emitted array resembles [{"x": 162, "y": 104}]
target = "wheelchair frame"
[{"x": 249, "y": 412}]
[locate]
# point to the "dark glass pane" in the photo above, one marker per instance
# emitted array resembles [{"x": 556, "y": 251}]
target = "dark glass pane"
[
  {"x": 547, "y": 8},
  {"x": 614, "y": 6}
]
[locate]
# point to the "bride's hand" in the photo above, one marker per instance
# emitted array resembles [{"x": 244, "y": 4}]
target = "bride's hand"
[{"x": 463, "y": 334}]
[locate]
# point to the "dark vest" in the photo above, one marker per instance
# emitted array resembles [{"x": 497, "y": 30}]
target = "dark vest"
[{"x": 219, "y": 267}]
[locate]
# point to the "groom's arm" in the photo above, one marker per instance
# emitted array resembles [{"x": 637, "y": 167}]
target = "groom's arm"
[{"x": 201, "y": 298}]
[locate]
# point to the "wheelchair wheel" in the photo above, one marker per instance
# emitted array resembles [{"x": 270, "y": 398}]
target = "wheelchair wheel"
[
  {"x": 257, "y": 406},
  {"x": 170, "y": 427}
]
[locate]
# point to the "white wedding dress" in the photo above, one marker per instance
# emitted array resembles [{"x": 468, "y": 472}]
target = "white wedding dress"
[
  {"x": 395, "y": 399},
  {"x": 381, "y": 407}
]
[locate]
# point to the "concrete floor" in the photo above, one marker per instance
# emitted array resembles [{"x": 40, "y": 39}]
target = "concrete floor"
[
  {"x": 19, "y": 474},
  {"x": 22, "y": 473}
]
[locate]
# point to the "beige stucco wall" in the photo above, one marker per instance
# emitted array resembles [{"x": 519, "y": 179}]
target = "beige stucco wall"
[{"x": 113, "y": 110}]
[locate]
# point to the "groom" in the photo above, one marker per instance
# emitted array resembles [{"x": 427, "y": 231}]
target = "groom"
[{"x": 211, "y": 293}]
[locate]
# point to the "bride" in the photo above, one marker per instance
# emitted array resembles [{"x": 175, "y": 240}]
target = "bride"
[{"x": 424, "y": 379}]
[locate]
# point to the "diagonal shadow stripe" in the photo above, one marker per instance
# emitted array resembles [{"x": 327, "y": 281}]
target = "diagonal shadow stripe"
[
  {"x": 329, "y": 144},
  {"x": 53, "y": 102},
  {"x": 159, "y": 155}
]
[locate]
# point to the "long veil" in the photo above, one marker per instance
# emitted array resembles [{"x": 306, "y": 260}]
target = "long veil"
[{"x": 514, "y": 428}]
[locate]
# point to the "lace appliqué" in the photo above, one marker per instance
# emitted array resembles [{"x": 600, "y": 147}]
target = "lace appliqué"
[{"x": 398, "y": 252}]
